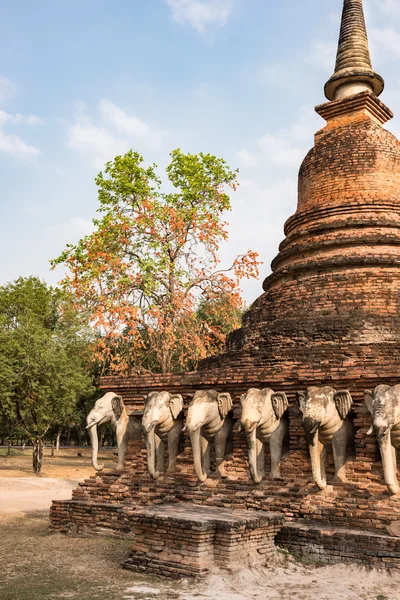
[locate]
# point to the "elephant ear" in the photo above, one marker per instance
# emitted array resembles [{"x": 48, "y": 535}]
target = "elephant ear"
[
  {"x": 176, "y": 405},
  {"x": 369, "y": 398},
  {"x": 117, "y": 406},
  {"x": 224, "y": 404},
  {"x": 279, "y": 403},
  {"x": 301, "y": 401},
  {"x": 343, "y": 401}
]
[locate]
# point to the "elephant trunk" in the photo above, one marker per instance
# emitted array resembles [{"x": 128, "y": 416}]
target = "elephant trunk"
[
  {"x": 195, "y": 438},
  {"x": 315, "y": 455},
  {"x": 253, "y": 459},
  {"x": 95, "y": 447},
  {"x": 151, "y": 453},
  {"x": 387, "y": 452}
]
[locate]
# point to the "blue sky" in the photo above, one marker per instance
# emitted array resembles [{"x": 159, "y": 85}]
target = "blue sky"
[{"x": 82, "y": 81}]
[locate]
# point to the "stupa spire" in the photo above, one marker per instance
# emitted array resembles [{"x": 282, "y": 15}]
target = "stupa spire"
[{"x": 353, "y": 71}]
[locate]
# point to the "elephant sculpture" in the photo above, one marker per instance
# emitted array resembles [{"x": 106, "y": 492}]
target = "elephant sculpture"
[
  {"x": 109, "y": 409},
  {"x": 263, "y": 421},
  {"x": 384, "y": 405},
  {"x": 162, "y": 423},
  {"x": 208, "y": 420},
  {"x": 326, "y": 422}
]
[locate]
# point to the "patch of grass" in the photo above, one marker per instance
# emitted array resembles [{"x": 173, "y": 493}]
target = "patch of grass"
[
  {"x": 381, "y": 597},
  {"x": 14, "y": 452}
]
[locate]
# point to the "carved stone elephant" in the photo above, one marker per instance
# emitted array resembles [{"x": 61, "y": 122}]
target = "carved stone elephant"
[
  {"x": 263, "y": 421},
  {"x": 326, "y": 423},
  {"x": 208, "y": 420},
  {"x": 384, "y": 405},
  {"x": 109, "y": 409},
  {"x": 162, "y": 423}
]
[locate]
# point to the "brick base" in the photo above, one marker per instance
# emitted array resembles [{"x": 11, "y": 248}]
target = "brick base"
[
  {"x": 330, "y": 545},
  {"x": 187, "y": 540}
]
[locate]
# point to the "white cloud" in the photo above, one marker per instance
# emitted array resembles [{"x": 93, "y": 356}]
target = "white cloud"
[
  {"x": 323, "y": 54},
  {"x": 95, "y": 142},
  {"x": 385, "y": 42},
  {"x": 128, "y": 125},
  {"x": 390, "y": 8},
  {"x": 27, "y": 119},
  {"x": 115, "y": 133},
  {"x": 7, "y": 89},
  {"x": 246, "y": 159},
  {"x": 287, "y": 147},
  {"x": 13, "y": 144},
  {"x": 201, "y": 14},
  {"x": 79, "y": 227}
]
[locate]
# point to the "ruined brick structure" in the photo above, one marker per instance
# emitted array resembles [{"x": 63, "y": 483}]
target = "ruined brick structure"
[{"x": 329, "y": 315}]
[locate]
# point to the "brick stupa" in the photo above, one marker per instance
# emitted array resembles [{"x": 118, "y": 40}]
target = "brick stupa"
[
  {"x": 330, "y": 314},
  {"x": 331, "y": 307}
]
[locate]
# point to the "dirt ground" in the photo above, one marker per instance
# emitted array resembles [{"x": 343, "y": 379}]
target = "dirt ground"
[
  {"x": 39, "y": 565},
  {"x": 70, "y": 463}
]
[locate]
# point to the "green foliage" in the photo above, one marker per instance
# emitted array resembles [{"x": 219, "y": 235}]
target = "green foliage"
[{"x": 43, "y": 357}]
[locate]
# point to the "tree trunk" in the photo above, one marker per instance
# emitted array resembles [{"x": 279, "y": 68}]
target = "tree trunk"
[
  {"x": 52, "y": 449},
  {"x": 37, "y": 455},
  {"x": 58, "y": 440},
  {"x": 8, "y": 448}
]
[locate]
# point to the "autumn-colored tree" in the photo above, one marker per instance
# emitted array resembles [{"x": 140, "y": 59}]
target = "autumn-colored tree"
[{"x": 153, "y": 259}]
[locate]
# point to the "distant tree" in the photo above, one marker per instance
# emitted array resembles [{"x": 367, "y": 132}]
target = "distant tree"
[
  {"x": 218, "y": 317},
  {"x": 43, "y": 355},
  {"x": 153, "y": 258}
]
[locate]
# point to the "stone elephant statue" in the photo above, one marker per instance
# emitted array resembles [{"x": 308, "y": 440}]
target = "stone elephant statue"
[
  {"x": 326, "y": 423},
  {"x": 162, "y": 423},
  {"x": 208, "y": 420},
  {"x": 263, "y": 421},
  {"x": 109, "y": 409},
  {"x": 384, "y": 405}
]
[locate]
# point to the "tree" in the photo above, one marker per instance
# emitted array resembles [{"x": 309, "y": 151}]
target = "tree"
[
  {"x": 153, "y": 258},
  {"x": 43, "y": 357}
]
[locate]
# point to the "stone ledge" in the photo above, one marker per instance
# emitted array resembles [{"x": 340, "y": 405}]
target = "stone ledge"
[{"x": 331, "y": 545}]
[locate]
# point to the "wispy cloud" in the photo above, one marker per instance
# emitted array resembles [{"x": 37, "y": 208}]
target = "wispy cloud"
[
  {"x": 12, "y": 144},
  {"x": 16, "y": 147},
  {"x": 285, "y": 148},
  {"x": 385, "y": 42},
  {"x": 114, "y": 132},
  {"x": 201, "y": 14},
  {"x": 322, "y": 54},
  {"x": 7, "y": 89},
  {"x": 390, "y": 8}
]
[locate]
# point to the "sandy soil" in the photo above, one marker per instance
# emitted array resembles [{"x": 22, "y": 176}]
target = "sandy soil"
[
  {"x": 21, "y": 495},
  {"x": 40, "y": 565},
  {"x": 71, "y": 463}
]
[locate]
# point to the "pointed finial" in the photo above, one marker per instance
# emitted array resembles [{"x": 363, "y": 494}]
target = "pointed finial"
[{"x": 353, "y": 72}]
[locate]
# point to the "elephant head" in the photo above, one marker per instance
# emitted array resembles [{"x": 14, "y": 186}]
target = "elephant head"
[
  {"x": 161, "y": 409},
  {"x": 323, "y": 408},
  {"x": 208, "y": 409},
  {"x": 258, "y": 407},
  {"x": 107, "y": 409},
  {"x": 384, "y": 405}
]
